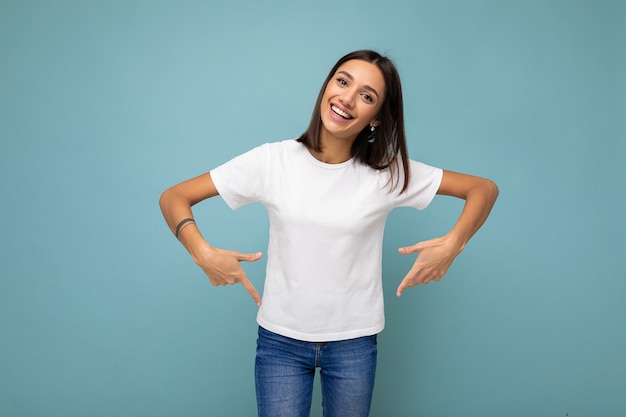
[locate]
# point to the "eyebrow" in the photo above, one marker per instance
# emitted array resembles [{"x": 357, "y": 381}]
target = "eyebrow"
[{"x": 367, "y": 87}]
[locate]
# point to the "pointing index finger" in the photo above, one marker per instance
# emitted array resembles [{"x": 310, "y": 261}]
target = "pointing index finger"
[{"x": 251, "y": 290}]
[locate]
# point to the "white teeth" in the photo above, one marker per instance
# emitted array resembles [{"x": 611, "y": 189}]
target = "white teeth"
[{"x": 340, "y": 112}]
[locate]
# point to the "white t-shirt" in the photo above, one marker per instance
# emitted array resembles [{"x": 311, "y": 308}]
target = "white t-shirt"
[{"x": 324, "y": 267}]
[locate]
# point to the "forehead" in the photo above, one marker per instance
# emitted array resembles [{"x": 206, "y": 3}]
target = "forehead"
[{"x": 365, "y": 73}]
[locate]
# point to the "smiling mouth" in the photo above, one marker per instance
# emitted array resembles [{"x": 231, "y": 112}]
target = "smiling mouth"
[{"x": 340, "y": 112}]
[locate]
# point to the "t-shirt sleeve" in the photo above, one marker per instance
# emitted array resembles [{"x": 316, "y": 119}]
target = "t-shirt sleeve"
[
  {"x": 240, "y": 180},
  {"x": 423, "y": 185}
]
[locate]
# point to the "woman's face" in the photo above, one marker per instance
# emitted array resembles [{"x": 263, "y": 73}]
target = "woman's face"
[{"x": 352, "y": 99}]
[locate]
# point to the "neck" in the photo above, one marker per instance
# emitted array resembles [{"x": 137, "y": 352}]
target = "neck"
[{"x": 334, "y": 150}]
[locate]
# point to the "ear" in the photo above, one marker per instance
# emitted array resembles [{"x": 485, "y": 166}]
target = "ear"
[{"x": 375, "y": 123}]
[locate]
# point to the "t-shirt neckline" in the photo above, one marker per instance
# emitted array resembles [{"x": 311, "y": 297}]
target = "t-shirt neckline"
[{"x": 326, "y": 165}]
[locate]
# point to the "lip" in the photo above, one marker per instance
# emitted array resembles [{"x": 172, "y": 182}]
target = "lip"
[{"x": 337, "y": 117}]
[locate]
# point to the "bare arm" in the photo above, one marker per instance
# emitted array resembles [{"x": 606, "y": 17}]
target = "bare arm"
[
  {"x": 436, "y": 255},
  {"x": 221, "y": 266}
]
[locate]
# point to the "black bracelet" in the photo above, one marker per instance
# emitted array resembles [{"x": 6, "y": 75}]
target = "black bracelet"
[{"x": 181, "y": 223}]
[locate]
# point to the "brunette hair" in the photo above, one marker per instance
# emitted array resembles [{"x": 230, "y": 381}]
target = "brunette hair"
[{"x": 390, "y": 137}]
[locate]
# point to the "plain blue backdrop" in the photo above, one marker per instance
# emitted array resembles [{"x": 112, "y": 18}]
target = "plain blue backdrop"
[{"x": 105, "y": 104}]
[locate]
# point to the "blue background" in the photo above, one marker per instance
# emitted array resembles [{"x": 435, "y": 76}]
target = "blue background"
[{"x": 105, "y": 104}]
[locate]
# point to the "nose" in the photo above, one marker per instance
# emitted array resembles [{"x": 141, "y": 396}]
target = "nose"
[{"x": 347, "y": 98}]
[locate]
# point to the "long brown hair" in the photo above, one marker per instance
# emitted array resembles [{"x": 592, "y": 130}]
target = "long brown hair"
[{"x": 390, "y": 140}]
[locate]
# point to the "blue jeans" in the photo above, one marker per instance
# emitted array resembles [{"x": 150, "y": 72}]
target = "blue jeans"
[{"x": 285, "y": 369}]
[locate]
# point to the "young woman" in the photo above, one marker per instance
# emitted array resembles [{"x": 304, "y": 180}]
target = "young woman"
[{"x": 328, "y": 195}]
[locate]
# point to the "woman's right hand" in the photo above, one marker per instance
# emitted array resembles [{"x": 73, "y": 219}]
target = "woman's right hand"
[{"x": 223, "y": 268}]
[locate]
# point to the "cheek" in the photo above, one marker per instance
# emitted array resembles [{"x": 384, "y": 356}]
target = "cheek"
[
  {"x": 370, "y": 113},
  {"x": 328, "y": 92},
  {"x": 325, "y": 97}
]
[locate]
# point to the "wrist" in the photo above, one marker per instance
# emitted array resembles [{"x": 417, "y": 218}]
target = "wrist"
[
  {"x": 456, "y": 240},
  {"x": 201, "y": 251}
]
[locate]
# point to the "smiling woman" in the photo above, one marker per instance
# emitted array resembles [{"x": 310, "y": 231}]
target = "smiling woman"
[
  {"x": 328, "y": 195},
  {"x": 349, "y": 104},
  {"x": 375, "y": 80}
]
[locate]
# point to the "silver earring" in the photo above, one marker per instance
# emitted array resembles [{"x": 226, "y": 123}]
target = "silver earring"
[{"x": 372, "y": 136}]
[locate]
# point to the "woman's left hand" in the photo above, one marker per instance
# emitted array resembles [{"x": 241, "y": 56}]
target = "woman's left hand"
[{"x": 434, "y": 258}]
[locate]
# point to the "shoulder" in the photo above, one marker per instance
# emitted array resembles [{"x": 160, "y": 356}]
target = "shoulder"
[
  {"x": 418, "y": 166},
  {"x": 270, "y": 150},
  {"x": 287, "y": 146}
]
